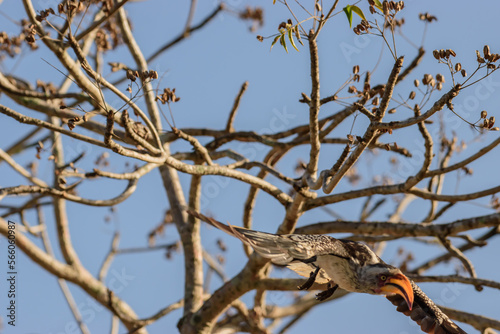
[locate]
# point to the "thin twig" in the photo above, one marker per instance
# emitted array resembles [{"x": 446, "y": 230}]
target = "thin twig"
[
  {"x": 236, "y": 104},
  {"x": 459, "y": 255}
]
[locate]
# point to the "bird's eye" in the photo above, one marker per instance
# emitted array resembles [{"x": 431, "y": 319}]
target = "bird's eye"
[{"x": 383, "y": 277}]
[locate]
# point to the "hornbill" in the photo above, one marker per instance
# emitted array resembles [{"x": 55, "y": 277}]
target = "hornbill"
[{"x": 347, "y": 264}]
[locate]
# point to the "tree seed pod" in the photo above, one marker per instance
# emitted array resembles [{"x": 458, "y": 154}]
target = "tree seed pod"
[
  {"x": 355, "y": 69},
  {"x": 412, "y": 95},
  {"x": 427, "y": 79},
  {"x": 453, "y": 53},
  {"x": 439, "y": 77},
  {"x": 484, "y": 114},
  {"x": 130, "y": 75},
  {"x": 375, "y": 101},
  {"x": 392, "y": 111},
  {"x": 442, "y": 53},
  {"x": 491, "y": 121},
  {"x": 486, "y": 51},
  {"x": 480, "y": 59},
  {"x": 436, "y": 55},
  {"x": 447, "y": 53},
  {"x": 458, "y": 67},
  {"x": 416, "y": 83},
  {"x": 464, "y": 73}
]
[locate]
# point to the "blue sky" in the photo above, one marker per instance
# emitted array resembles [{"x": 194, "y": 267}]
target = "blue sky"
[{"x": 207, "y": 71}]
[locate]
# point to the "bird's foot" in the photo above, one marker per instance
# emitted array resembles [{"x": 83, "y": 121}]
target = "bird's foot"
[
  {"x": 324, "y": 295},
  {"x": 310, "y": 281}
]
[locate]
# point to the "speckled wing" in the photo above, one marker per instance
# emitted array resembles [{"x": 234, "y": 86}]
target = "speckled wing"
[
  {"x": 292, "y": 250},
  {"x": 426, "y": 314},
  {"x": 283, "y": 249}
]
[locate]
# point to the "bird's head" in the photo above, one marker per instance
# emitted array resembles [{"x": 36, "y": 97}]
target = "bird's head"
[{"x": 384, "y": 279}]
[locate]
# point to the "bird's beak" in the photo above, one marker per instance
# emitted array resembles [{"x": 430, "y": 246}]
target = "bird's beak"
[{"x": 400, "y": 285}]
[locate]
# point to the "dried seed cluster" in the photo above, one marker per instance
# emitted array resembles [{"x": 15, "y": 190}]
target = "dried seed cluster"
[
  {"x": 72, "y": 122},
  {"x": 108, "y": 32},
  {"x": 70, "y": 7},
  {"x": 392, "y": 6},
  {"x": 355, "y": 71},
  {"x": 427, "y": 17},
  {"x": 133, "y": 75},
  {"x": 102, "y": 41},
  {"x": 488, "y": 57},
  {"x": 363, "y": 27},
  {"x": 443, "y": 54},
  {"x": 458, "y": 68},
  {"x": 11, "y": 45},
  {"x": 488, "y": 123},
  {"x": 253, "y": 14},
  {"x": 44, "y": 14},
  {"x": 429, "y": 80},
  {"x": 167, "y": 96},
  {"x": 390, "y": 9},
  {"x": 395, "y": 23}
]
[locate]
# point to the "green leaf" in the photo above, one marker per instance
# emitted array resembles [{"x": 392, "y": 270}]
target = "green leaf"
[
  {"x": 290, "y": 37},
  {"x": 274, "y": 41},
  {"x": 378, "y": 4},
  {"x": 358, "y": 11},
  {"x": 274, "y": 1},
  {"x": 348, "y": 13},
  {"x": 282, "y": 42}
]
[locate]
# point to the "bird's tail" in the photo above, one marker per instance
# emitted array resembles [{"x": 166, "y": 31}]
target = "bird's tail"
[
  {"x": 229, "y": 229},
  {"x": 268, "y": 245}
]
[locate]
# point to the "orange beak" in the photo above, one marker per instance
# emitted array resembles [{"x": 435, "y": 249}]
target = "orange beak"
[{"x": 399, "y": 284}]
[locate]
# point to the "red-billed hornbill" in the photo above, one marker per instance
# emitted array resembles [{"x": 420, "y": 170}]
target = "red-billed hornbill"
[{"x": 347, "y": 264}]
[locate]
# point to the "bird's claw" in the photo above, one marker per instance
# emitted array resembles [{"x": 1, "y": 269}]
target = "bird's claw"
[
  {"x": 310, "y": 281},
  {"x": 324, "y": 295}
]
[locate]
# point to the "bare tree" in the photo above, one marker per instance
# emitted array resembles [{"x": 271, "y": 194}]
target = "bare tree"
[{"x": 83, "y": 38}]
